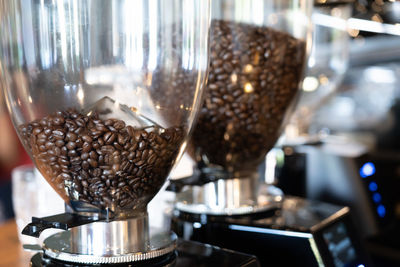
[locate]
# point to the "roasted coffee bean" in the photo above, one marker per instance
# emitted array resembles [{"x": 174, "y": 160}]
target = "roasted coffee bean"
[
  {"x": 88, "y": 159},
  {"x": 142, "y": 145},
  {"x": 85, "y": 165},
  {"x": 72, "y": 153},
  {"x": 96, "y": 145},
  {"x": 109, "y": 137},
  {"x": 131, "y": 155},
  {"x": 107, "y": 149},
  {"x": 93, "y": 163},
  {"x": 59, "y": 143},
  {"x": 118, "y": 146},
  {"x": 57, "y": 151},
  {"x": 64, "y": 176},
  {"x": 87, "y": 138},
  {"x": 79, "y": 143},
  {"x": 87, "y": 147},
  {"x": 116, "y": 159},
  {"x": 85, "y": 183},
  {"x": 131, "y": 131},
  {"x": 58, "y": 134},
  {"x": 71, "y": 145},
  {"x": 47, "y": 131},
  {"x": 85, "y": 156},
  {"x": 37, "y": 130},
  {"x": 101, "y": 142},
  {"x": 93, "y": 155},
  {"x": 122, "y": 139},
  {"x": 109, "y": 122},
  {"x": 71, "y": 137},
  {"x": 97, "y": 172},
  {"x": 80, "y": 122},
  {"x": 119, "y": 125}
]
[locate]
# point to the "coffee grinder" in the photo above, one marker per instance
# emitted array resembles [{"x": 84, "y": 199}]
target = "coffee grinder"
[
  {"x": 257, "y": 55},
  {"x": 103, "y": 95},
  {"x": 258, "y": 51}
]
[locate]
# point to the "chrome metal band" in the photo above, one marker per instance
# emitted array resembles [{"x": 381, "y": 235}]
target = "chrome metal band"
[
  {"x": 109, "y": 242},
  {"x": 229, "y": 197},
  {"x": 111, "y": 238}
]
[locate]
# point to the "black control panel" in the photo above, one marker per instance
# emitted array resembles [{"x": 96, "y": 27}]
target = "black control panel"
[{"x": 301, "y": 233}]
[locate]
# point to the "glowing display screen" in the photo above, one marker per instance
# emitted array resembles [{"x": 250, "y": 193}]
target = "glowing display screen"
[{"x": 340, "y": 245}]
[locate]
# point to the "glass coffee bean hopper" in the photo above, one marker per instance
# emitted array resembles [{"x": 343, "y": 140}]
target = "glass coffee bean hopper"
[
  {"x": 103, "y": 95},
  {"x": 258, "y": 51}
]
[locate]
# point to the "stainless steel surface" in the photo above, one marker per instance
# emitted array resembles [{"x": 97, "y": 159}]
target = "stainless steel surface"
[
  {"x": 60, "y": 246},
  {"x": 111, "y": 238},
  {"x": 32, "y": 247},
  {"x": 229, "y": 197}
]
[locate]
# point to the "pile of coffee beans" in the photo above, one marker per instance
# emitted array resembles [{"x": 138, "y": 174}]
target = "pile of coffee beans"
[
  {"x": 254, "y": 76},
  {"x": 102, "y": 162}
]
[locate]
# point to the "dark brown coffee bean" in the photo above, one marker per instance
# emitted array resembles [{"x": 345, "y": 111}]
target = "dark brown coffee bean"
[
  {"x": 118, "y": 146},
  {"x": 47, "y": 131},
  {"x": 137, "y": 136},
  {"x": 78, "y": 187},
  {"x": 109, "y": 137},
  {"x": 140, "y": 172},
  {"x": 57, "y": 151},
  {"x": 95, "y": 133},
  {"x": 71, "y": 145},
  {"x": 85, "y": 156},
  {"x": 131, "y": 155},
  {"x": 93, "y": 155},
  {"x": 140, "y": 163},
  {"x": 87, "y": 147},
  {"x": 92, "y": 162},
  {"x": 119, "y": 125},
  {"x": 97, "y": 172},
  {"x": 101, "y": 142},
  {"x": 85, "y": 165},
  {"x": 101, "y": 159},
  {"x": 49, "y": 145},
  {"x": 101, "y": 127},
  {"x": 59, "y": 143},
  {"x": 107, "y": 149},
  {"x": 71, "y": 137},
  {"x": 122, "y": 139},
  {"x": 107, "y": 172},
  {"x": 85, "y": 183},
  {"x": 152, "y": 158},
  {"x": 87, "y": 138},
  {"x": 96, "y": 145},
  {"x": 109, "y": 122},
  {"x": 72, "y": 153},
  {"x": 58, "y": 134},
  {"x": 64, "y": 151},
  {"x": 142, "y": 145},
  {"x": 65, "y": 176},
  {"x": 115, "y": 168},
  {"x": 130, "y": 130},
  {"x": 125, "y": 166},
  {"x": 37, "y": 131},
  {"x": 116, "y": 159},
  {"x": 80, "y": 122}
]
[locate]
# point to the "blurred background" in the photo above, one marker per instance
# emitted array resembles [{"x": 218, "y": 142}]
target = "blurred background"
[
  {"x": 12, "y": 155},
  {"x": 342, "y": 145}
]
